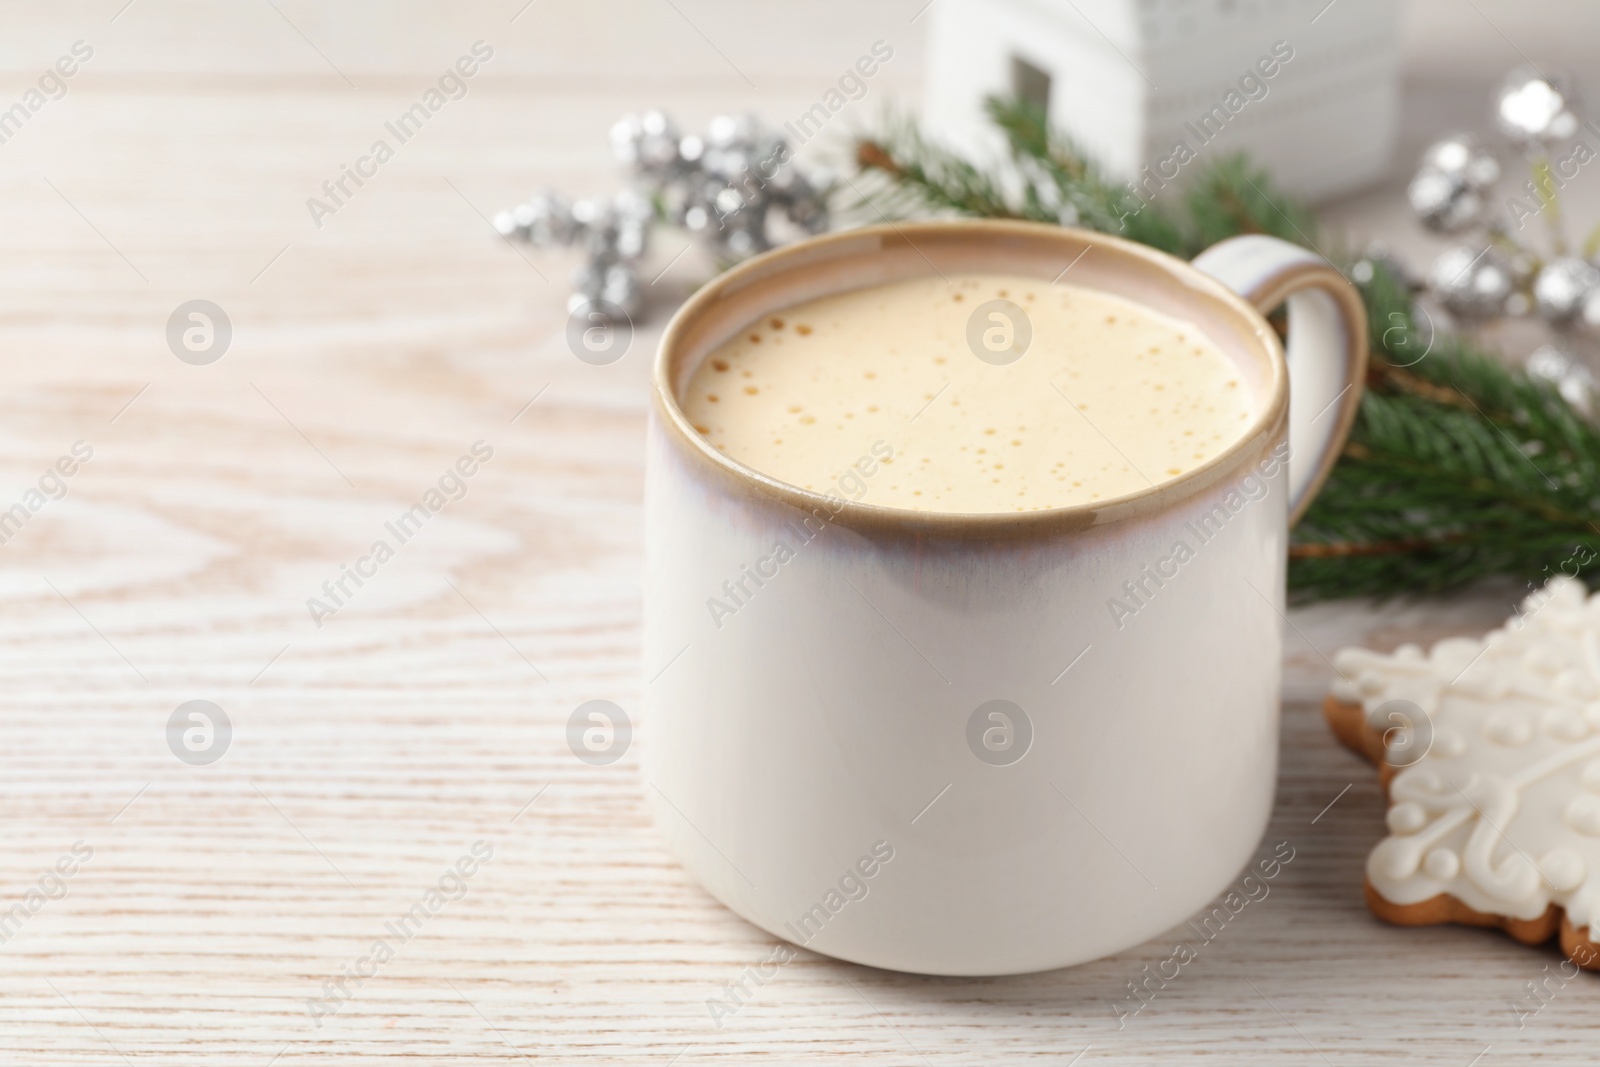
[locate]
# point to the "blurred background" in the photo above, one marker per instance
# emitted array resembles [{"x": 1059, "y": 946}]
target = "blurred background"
[{"x": 195, "y": 135}]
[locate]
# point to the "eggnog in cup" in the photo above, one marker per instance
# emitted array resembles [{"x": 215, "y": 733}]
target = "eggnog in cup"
[{"x": 1107, "y": 398}]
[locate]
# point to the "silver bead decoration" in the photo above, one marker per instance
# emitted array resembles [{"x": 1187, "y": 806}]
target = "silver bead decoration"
[
  {"x": 1444, "y": 204},
  {"x": 1463, "y": 157},
  {"x": 614, "y": 233},
  {"x": 545, "y": 219},
  {"x": 1450, "y": 190},
  {"x": 1472, "y": 283},
  {"x": 733, "y": 181},
  {"x": 1496, "y": 272},
  {"x": 649, "y": 144},
  {"x": 1589, "y": 316},
  {"x": 1571, "y": 377},
  {"x": 1562, "y": 288},
  {"x": 725, "y": 188},
  {"x": 1535, "y": 111}
]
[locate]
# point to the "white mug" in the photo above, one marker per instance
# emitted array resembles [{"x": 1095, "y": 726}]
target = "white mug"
[{"x": 983, "y": 744}]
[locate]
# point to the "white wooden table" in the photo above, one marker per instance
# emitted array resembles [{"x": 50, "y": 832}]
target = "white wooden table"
[{"x": 370, "y": 753}]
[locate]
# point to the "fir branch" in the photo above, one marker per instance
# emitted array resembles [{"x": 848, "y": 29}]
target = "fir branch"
[
  {"x": 1233, "y": 197},
  {"x": 1061, "y": 180},
  {"x": 1459, "y": 468},
  {"x": 924, "y": 177}
]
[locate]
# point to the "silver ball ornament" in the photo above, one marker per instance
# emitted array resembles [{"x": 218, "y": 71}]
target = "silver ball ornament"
[
  {"x": 632, "y": 241},
  {"x": 506, "y": 225},
  {"x": 1535, "y": 111},
  {"x": 647, "y": 143},
  {"x": 1461, "y": 156},
  {"x": 1571, "y": 377},
  {"x": 1472, "y": 283},
  {"x": 727, "y": 130},
  {"x": 631, "y": 208},
  {"x": 621, "y": 288},
  {"x": 1590, "y": 313},
  {"x": 741, "y": 244},
  {"x": 1464, "y": 157},
  {"x": 723, "y": 187},
  {"x": 1562, "y": 289},
  {"x": 587, "y": 281},
  {"x": 1445, "y": 203},
  {"x": 1450, "y": 190},
  {"x": 546, "y": 219}
]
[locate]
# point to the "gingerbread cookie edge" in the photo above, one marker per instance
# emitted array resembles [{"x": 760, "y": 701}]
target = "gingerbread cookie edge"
[{"x": 1349, "y": 725}]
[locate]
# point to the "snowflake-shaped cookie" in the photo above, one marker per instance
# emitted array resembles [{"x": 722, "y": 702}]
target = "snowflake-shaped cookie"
[{"x": 1490, "y": 751}]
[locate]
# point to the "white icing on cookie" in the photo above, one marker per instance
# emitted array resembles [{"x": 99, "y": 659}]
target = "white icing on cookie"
[{"x": 1502, "y": 811}]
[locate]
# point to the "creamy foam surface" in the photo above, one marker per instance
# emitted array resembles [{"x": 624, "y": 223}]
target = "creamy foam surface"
[{"x": 1109, "y": 398}]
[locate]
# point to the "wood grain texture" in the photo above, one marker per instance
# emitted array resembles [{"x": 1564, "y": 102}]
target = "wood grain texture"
[{"x": 428, "y": 714}]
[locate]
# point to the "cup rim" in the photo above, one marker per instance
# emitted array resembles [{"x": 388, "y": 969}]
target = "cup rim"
[{"x": 1269, "y": 422}]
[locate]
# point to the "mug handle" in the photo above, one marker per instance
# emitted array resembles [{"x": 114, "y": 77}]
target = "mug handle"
[{"x": 1327, "y": 350}]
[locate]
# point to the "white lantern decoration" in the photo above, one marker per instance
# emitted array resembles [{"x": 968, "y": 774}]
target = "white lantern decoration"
[{"x": 1308, "y": 88}]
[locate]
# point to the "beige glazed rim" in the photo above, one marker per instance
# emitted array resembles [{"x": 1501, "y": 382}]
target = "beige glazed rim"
[{"x": 852, "y": 259}]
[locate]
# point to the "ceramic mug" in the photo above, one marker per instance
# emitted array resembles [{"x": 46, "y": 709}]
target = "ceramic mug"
[{"x": 983, "y": 744}]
